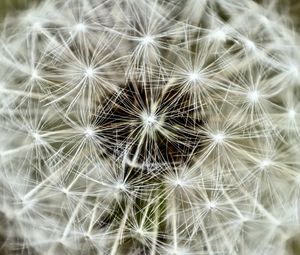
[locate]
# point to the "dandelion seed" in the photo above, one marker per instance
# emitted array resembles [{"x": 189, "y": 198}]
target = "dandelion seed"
[
  {"x": 293, "y": 70},
  {"x": 37, "y": 138},
  {"x": 147, "y": 40},
  {"x": 263, "y": 19},
  {"x": 65, "y": 191},
  {"x": 265, "y": 163},
  {"x": 253, "y": 96},
  {"x": 292, "y": 114},
  {"x": 121, "y": 186},
  {"x": 80, "y": 27},
  {"x": 149, "y": 120},
  {"x": 36, "y": 26},
  {"x": 218, "y": 35},
  {"x": 89, "y": 72},
  {"x": 211, "y": 205},
  {"x": 250, "y": 45},
  {"x": 89, "y": 132},
  {"x": 194, "y": 77},
  {"x": 218, "y": 138},
  {"x": 35, "y": 75}
]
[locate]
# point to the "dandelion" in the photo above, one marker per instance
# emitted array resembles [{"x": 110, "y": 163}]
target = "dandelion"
[{"x": 149, "y": 127}]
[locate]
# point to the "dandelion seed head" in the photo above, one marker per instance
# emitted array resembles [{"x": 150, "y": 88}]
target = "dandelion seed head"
[{"x": 189, "y": 106}]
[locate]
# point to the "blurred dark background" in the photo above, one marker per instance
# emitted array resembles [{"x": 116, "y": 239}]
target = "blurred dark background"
[{"x": 11, "y": 5}]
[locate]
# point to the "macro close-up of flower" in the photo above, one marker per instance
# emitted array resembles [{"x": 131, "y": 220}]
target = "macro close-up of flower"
[{"x": 149, "y": 127}]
